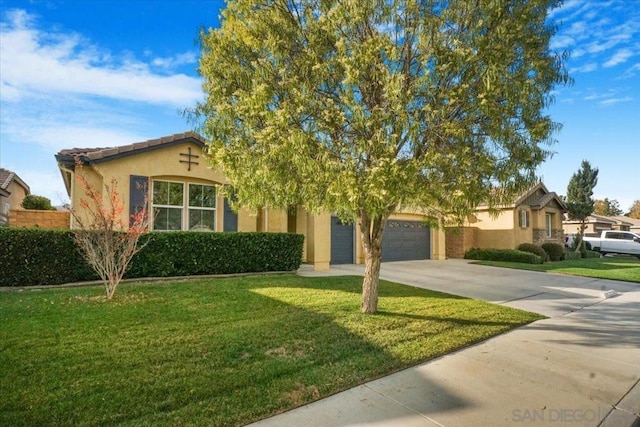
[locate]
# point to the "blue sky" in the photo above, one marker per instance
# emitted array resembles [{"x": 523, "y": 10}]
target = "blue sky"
[{"x": 89, "y": 73}]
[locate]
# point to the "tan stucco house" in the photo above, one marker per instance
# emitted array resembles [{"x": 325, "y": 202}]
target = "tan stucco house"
[
  {"x": 627, "y": 224},
  {"x": 13, "y": 190},
  {"x": 534, "y": 217},
  {"x": 596, "y": 224},
  {"x": 182, "y": 189}
]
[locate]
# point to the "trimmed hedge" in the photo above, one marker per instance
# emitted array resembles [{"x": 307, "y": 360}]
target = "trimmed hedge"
[
  {"x": 191, "y": 253},
  {"x": 554, "y": 250},
  {"x": 534, "y": 249},
  {"x": 31, "y": 256},
  {"x": 510, "y": 255}
]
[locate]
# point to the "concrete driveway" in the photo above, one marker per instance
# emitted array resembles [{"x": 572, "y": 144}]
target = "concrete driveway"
[{"x": 580, "y": 367}]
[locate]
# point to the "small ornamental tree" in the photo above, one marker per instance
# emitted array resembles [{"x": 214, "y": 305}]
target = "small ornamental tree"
[{"x": 106, "y": 242}]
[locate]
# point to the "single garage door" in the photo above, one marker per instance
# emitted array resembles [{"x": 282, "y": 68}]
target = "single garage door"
[
  {"x": 342, "y": 238},
  {"x": 405, "y": 240}
]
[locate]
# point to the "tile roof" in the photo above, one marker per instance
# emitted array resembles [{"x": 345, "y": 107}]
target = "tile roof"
[
  {"x": 100, "y": 154},
  {"x": 594, "y": 218},
  {"x": 625, "y": 219},
  {"x": 541, "y": 202},
  {"x": 7, "y": 177}
]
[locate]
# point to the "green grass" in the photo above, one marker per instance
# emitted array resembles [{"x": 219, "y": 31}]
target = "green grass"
[
  {"x": 217, "y": 352},
  {"x": 611, "y": 268}
]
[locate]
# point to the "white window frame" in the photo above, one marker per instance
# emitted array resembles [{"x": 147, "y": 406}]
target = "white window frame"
[
  {"x": 201, "y": 208},
  {"x": 185, "y": 207},
  {"x": 523, "y": 218},
  {"x": 155, "y": 205},
  {"x": 548, "y": 220}
]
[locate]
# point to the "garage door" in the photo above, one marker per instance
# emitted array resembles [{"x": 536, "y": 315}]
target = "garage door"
[
  {"x": 341, "y": 242},
  {"x": 405, "y": 240}
]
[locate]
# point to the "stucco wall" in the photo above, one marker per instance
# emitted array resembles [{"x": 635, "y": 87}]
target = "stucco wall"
[
  {"x": 593, "y": 229},
  {"x": 159, "y": 164},
  {"x": 38, "y": 218},
  {"x": 18, "y": 193},
  {"x": 483, "y": 220}
]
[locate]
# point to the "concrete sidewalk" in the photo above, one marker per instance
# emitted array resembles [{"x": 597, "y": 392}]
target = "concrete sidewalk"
[{"x": 579, "y": 367}]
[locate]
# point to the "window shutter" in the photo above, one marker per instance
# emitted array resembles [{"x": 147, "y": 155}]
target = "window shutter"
[
  {"x": 524, "y": 218},
  {"x": 138, "y": 191}
]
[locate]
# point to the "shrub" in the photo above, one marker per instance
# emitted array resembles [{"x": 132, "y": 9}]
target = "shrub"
[
  {"x": 572, "y": 255},
  {"x": 590, "y": 254},
  {"x": 509, "y": 255},
  {"x": 50, "y": 257},
  {"x": 554, "y": 250},
  {"x": 534, "y": 249},
  {"x": 33, "y": 202}
]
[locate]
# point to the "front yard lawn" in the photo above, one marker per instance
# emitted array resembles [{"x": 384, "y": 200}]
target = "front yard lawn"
[
  {"x": 610, "y": 268},
  {"x": 217, "y": 351}
]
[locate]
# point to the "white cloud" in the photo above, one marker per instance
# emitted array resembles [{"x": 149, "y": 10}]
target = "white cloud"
[
  {"x": 632, "y": 71},
  {"x": 176, "y": 61},
  {"x": 59, "y": 121},
  {"x": 585, "y": 68},
  {"x": 561, "y": 42},
  {"x": 36, "y": 61},
  {"x": 602, "y": 32},
  {"x": 567, "y": 6},
  {"x": 619, "y": 57},
  {"x": 613, "y": 101}
]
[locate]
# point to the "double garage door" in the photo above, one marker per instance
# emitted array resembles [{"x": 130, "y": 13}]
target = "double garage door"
[{"x": 402, "y": 241}]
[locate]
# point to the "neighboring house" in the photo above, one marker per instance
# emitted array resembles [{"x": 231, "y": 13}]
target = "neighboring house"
[
  {"x": 12, "y": 191},
  {"x": 174, "y": 175},
  {"x": 633, "y": 224},
  {"x": 596, "y": 224},
  {"x": 535, "y": 217}
]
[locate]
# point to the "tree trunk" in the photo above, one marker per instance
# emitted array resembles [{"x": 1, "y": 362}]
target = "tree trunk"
[
  {"x": 372, "y": 230},
  {"x": 581, "y": 230}
]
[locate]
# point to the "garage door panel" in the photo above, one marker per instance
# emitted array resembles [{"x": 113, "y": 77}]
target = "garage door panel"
[{"x": 405, "y": 240}]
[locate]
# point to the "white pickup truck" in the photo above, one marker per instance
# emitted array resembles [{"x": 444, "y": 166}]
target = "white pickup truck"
[{"x": 615, "y": 242}]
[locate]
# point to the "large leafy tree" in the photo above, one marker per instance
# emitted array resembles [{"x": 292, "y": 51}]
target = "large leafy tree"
[
  {"x": 607, "y": 207},
  {"x": 360, "y": 107},
  {"x": 579, "y": 200},
  {"x": 634, "y": 212}
]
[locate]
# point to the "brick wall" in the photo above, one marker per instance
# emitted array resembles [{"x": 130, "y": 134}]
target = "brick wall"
[
  {"x": 42, "y": 219},
  {"x": 459, "y": 239}
]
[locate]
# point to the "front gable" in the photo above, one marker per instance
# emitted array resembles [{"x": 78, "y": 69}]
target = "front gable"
[{"x": 172, "y": 174}]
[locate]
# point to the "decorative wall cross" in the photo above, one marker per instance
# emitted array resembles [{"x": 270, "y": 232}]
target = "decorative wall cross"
[{"x": 189, "y": 160}]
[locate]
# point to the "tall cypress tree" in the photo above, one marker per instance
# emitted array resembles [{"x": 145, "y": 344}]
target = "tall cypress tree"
[{"x": 580, "y": 203}]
